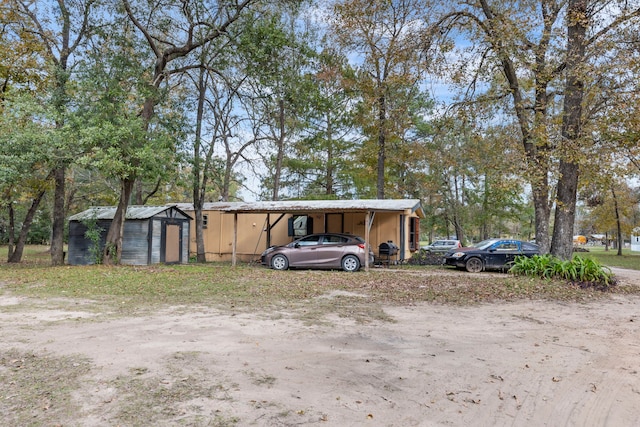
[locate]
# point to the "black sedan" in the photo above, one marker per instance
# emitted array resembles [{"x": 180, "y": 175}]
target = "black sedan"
[{"x": 492, "y": 254}]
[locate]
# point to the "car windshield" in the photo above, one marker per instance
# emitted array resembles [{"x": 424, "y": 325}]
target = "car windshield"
[{"x": 485, "y": 243}]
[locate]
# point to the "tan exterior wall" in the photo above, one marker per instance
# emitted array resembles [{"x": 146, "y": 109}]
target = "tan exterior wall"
[{"x": 252, "y": 237}]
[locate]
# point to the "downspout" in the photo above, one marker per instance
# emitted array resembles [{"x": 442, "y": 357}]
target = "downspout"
[
  {"x": 366, "y": 241},
  {"x": 150, "y": 240},
  {"x": 403, "y": 239}
]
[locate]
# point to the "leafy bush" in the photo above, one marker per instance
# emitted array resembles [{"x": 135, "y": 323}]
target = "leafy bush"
[
  {"x": 584, "y": 271},
  {"x": 94, "y": 235},
  {"x": 423, "y": 257}
]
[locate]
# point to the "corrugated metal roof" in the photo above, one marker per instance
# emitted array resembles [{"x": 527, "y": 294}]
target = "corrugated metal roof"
[
  {"x": 107, "y": 212},
  {"x": 379, "y": 205}
]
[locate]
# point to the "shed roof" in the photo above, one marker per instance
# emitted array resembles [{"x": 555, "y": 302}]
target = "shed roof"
[
  {"x": 133, "y": 212},
  {"x": 364, "y": 205}
]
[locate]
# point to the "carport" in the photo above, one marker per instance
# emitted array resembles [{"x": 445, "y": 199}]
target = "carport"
[{"x": 408, "y": 231}]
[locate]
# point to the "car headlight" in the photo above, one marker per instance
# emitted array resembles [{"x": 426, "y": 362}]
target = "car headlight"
[
  {"x": 457, "y": 255},
  {"x": 268, "y": 251}
]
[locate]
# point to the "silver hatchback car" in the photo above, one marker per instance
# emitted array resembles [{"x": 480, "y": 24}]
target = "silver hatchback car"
[
  {"x": 323, "y": 250},
  {"x": 442, "y": 246}
]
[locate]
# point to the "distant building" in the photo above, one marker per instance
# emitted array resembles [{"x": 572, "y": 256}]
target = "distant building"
[{"x": 635, "y": 239}]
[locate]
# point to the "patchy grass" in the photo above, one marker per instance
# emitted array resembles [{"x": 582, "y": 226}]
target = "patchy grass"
[
  {"x": 39, "y": 388},
  {"x": 360, "y": 296},
  {"x": 628, "y": 259},
  {"x": 183, "y": 394},
  {"x": 126, "y": 288},
  {"x": 44, "y": 390}
]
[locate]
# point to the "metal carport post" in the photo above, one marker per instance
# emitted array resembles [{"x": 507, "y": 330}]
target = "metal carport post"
[{"x": 368, "y": 222}]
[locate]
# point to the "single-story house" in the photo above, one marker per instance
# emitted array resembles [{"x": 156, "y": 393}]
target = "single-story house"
[
  {"x": 239, "y": 230},
  {"x": 152, "y": 234}
]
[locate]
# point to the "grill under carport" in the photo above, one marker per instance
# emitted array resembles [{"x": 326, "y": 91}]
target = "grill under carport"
[{"x": 387, "y": 253}]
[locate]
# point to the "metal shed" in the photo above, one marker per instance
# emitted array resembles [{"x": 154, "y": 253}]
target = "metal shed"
[{"x": 152, "y": 234}]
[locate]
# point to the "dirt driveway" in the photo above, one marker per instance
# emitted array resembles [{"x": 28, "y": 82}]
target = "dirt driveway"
[{"x": 505, "y": 364}]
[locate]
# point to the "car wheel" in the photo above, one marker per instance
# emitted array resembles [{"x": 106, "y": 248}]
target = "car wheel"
[
  {"x": 350, "y": 263},
  {"x": 279, "y": 262},
  {"x": 474, "y": 265}
]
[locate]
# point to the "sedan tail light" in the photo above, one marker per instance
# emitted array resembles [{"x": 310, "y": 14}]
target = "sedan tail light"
[{"x": 361, "y": 246}]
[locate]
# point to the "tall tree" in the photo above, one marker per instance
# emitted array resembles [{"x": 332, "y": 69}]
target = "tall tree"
[
  {"x": 277, "y": 94},
  {"x": 61, "y": 28},
  {"x": 24, "y": 173},
  {"x": 172, "y": 31},
  {"x": 25, "y": 137},
  {"x": 108, "y": 121},
  {"x": 476, "y": 193},
  {"x": 216, "y": 121},
  {"x": 382, "y": 33},
  {"x": 321, "y": 160},
  {"x": 543, "y": 61}
]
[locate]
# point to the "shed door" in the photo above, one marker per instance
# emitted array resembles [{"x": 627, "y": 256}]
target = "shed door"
[{"x": 172, "y": 243}]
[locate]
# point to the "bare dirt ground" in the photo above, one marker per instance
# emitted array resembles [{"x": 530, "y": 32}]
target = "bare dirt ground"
[{"x": 504, "y": 364}]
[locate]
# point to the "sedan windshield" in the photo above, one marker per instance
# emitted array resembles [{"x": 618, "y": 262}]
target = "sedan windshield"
[{"x": 485, "y": 243}]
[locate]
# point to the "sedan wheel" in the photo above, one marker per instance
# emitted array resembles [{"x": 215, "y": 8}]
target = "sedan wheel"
[
  {"x": 350, "y": 263},
  {"x": 474, "y": 265},
  {"x": 279, "y": 262}
]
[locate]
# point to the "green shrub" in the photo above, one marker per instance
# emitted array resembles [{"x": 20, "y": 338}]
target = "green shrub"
[
  {"x": 94, "y": 235},
  {"x": 584, "y": 271}
]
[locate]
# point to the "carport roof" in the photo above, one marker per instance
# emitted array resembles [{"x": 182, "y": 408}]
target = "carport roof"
[
  {"x": 133, "y": 212},
  {"x": 364, "y": 205}
]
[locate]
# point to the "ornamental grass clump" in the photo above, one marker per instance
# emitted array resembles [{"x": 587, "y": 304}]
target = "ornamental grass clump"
[{"x": 582, "y": 271}]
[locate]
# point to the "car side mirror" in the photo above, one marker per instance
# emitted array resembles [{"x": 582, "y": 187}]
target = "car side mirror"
[{"x": 297, "y": 245}]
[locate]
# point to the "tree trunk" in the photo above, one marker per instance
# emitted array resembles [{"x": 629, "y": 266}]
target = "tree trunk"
[
  {"x": 618, "y": 224},
  {"x": 280, "y": 153},
  {"x": 57, "y": 233},
  {"x": 542, "y": 214},
  {"x": 562, "y": 241},
  {"x": 199, "y": 185},
  {"x": 226, "y": 181},
  {"x": 16, "y": 255},
  {"x": 113, "y": 244},
  {"x": 139, "y": 198},
  {"x": 458, "y": 229},
  {"x": 329, "y": 190},
  {"x": 382, "y": 119},
  {"x": 12, "y": 231},
  {"x": 577, "y": 22}
]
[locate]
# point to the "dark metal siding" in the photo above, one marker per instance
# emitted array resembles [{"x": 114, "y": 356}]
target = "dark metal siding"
[
  {"x": 79, "y": 252},
  {"x": 156, "y": 240},
  {"x": 135, "y": 243}
]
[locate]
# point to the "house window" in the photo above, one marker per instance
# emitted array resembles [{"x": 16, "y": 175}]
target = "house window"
[
  {"x": 414, "y": 233},
  {"x": 300, "y": 225},
  {"x": 205, "y": 221}
]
